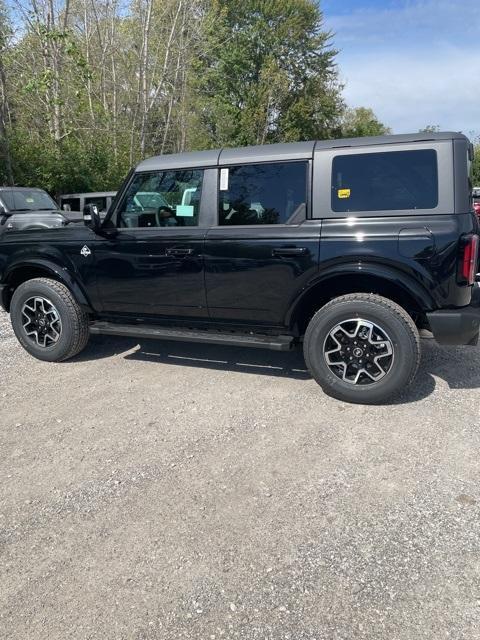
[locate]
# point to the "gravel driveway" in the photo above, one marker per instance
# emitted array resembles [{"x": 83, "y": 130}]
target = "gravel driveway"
[{"x": 167, "y": 491}]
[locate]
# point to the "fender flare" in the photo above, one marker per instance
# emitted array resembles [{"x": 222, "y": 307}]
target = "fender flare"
[
  {"x": 59, "y": 273},
  {"x": 411, "y": 287}
]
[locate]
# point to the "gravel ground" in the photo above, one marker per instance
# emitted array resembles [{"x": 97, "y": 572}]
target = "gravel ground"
[{"x": 167, "y": 491}]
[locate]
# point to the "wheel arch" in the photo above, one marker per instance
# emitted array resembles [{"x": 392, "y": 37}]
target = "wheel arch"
[
  {"x": 384, "y": 281},
  {"x": 20, "y": 272}
]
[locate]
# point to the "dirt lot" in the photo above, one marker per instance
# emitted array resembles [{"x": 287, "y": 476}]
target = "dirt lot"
[{"x": 167, "y": 491}]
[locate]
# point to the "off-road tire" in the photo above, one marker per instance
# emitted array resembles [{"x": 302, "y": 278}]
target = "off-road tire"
[
  {"x": 74, "y": 333},
  {"x": 387, "y": 315}
]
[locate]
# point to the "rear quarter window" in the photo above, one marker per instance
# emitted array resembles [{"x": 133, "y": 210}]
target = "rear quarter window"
[{"x": 383, "y": 181}]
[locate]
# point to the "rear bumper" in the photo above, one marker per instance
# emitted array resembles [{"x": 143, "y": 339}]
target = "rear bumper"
[{"x": 457, "y": 326}]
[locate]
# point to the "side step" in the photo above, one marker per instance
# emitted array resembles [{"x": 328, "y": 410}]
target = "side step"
[{"x": 275, "y": 343}]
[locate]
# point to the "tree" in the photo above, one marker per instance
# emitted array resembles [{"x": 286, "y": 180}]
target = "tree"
[
  {"x": 89, "y": 87},
  {"x": 362, "y": 122},
  {"x": 430, "y": 128},
  {"x": 6, "y": 170},
  {"x": 476, "y": 165},
  {"x": 266, "y": 74},
  {"x": 96, "y": 85}
]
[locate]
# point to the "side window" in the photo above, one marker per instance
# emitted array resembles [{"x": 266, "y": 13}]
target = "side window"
[
  {"x": 262, "y": 193},
  {"x": 388, "y": 180},
  {"x": 73, "y": 204},
  {"x": 162, "y": 199},
  {"x": 100, "y": 201}
]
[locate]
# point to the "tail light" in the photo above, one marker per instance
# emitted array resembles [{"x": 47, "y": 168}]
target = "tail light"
[{"x": 469, "y": 259}]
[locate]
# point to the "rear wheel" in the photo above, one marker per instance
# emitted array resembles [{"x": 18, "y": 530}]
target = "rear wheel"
[
  {"x": 48, "y": 321},
  {"x": 362, "y": 348}
]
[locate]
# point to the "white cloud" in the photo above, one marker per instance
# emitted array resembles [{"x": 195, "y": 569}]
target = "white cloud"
[
  {"x": 416, "y": 64},
  {"x": 408, "y": 90}
]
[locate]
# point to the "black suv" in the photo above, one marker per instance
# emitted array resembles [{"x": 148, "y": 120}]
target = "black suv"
[
  {"x": 350, "y": 246},
  {"x": 28, "y": 208}
]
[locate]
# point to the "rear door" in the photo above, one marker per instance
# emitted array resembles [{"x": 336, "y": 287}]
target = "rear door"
[{"x": 263, "y": 249}]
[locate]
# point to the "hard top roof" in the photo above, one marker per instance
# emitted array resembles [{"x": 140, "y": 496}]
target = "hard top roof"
[
  {"x": 93, "y": 194},
  {"x": 190, "y": 159},
  {"x": 273, "y": 152},
  {"x": 390, "y": 139}
]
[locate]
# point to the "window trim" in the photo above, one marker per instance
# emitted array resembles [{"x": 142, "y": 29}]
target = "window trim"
[
  {"x": 122, "y": 192},
  {"x": 322, "y": 180},
  {"x": 288, "y": 223}
]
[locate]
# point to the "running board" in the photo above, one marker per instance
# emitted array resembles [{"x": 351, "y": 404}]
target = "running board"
[{"x": 275, "y": 343}]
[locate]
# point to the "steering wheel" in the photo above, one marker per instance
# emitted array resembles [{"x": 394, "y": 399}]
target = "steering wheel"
[{"x": 165, "y": 213}]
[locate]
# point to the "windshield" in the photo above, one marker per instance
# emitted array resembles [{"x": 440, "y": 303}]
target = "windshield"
[{"x": 28, "y": 200}]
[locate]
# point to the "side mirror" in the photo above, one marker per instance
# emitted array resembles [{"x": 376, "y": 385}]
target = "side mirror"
[{"x": 91, "y": 217}]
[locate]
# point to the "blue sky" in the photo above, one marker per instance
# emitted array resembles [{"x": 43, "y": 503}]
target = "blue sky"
[{"x": 415, "y": 62}]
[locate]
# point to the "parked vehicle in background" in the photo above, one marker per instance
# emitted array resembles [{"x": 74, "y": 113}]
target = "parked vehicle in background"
[
  {"x": 476, "y": 200},
  {"x": 74, "y": 203},
  {"x": 349, "y": 246},
  {"x": 28, "y": 208}
]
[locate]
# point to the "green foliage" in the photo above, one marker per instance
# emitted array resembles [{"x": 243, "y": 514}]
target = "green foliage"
[
  {"x": 96, "y": 86},
  {"x": 476, "y": 167},
  {"x": 5, "y": 26},
  {"x": 6, "y": 174},
  {"x": 75, "y": 165},
  {"x": 267, "y": 74},
  {"x": 430, "y": 128},
  {"x": 362, "y": 122}
]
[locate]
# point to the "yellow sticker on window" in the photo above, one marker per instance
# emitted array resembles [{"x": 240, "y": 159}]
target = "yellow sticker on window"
[
  {"x": 343, "y": 193},
  {"x": 29, "y": 200}
]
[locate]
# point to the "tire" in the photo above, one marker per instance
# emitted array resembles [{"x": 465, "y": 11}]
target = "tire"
[
  {"x": 65, "y": 330},
  {"x": 358, "y": 331}
]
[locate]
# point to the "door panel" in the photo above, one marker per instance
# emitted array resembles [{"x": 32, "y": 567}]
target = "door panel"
[
  {"x": 153, "y": 271},
  {"x": 253, "y": 274},
  {"x": 153, "y": 263}
]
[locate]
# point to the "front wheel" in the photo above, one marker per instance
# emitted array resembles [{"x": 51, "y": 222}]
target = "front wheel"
[
  {"x": 48, "y": 321},
  {"x": 362, "y": 348}
]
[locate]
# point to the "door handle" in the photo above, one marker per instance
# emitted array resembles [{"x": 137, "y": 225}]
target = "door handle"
[
  {"x": 286, "y": 252},
  {"x": 178, "y": 252}
]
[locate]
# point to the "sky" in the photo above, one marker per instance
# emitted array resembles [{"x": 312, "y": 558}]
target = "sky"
[{"x": 414, "y": 62}]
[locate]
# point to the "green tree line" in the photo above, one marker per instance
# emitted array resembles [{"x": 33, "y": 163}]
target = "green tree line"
[
  {"x": 476, "y": 166},
  {"x": 89, "y": 87}
]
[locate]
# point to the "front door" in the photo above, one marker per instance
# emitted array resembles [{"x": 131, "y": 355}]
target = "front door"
[{"x": 153, "y": 264}]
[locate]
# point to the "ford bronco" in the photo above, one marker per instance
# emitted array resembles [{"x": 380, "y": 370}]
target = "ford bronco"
[
  {"x": 28, "y": 208},
  {"x": 348, "y": 246}
]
